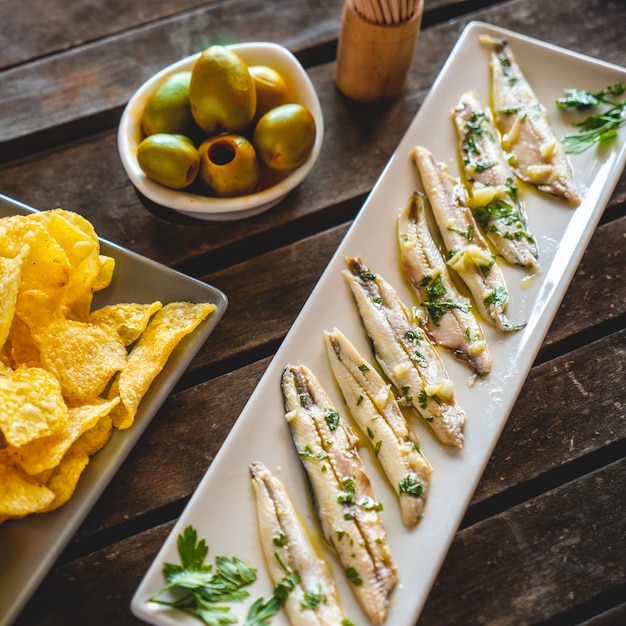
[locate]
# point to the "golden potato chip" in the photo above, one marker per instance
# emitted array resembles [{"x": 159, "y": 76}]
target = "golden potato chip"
[
  {"x": 45, "y": 453},
  {"x": 81, "y": 245},
  {"x": 62, "y": 483},
  {"x": 46, "y": 266},
  {"x": 77, "y": 221},
  {"x": 105, "y": 275},
  {"x": 21, "y": 347},
  {"x": 10, "y": 278},
  {"x": 20, "y": 494},
  {"x": 127, "y": 320},
  {"x": 32, "y": 405},
  {"x": 96, "y": 437},
  {"x": 83, "y": 357},
  {"x": 149, "y": 355}
]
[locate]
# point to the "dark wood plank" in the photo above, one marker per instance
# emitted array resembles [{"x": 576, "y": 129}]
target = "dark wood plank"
[
  {"x": 88, "y": 86},
  {"x": 561, "y": 416},
  {"x": 544, "y": 558},
  {"x": 550, "y": 556},
  {"x": 40, "y": 28}
]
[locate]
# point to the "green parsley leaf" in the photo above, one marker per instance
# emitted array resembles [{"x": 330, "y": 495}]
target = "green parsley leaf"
[{"x": 597, "y": 127}]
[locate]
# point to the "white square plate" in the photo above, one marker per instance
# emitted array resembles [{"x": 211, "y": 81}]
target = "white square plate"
[
  {"x": 30, "y": 546},
  {"x": 223, "y": 510}
]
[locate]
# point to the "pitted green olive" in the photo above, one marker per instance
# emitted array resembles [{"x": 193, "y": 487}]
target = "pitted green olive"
[
  {"x": 284, "y": 136},
  {"x": 171, "y": 160},
  {"x": 229, "y": 165}
]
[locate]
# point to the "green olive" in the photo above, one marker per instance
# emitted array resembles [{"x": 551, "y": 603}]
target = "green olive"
[
  {"x": 222, "y": 94},
  {"x": 167, "y": 109},
  {"x": 284, "y": 136},
  {"x": 171, "y": 160},
  {"x": 229, "y": 165},
  {"x": 271, "y": 88}
]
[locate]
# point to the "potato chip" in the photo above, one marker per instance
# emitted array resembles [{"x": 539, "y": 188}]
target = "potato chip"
[
  {"x": 127, "y": 320},
  {"x": 32, "y": 405},
  {"x": 10, "y": 278},
  {"x": 77, "y": 221},
  {"x": 21, "y": 347},
  {"x": 105, "y": 275},
  {"x": 149, "y": 355},
  {"x": 94, "y": 439},
  {"x": 46, "y": 266},
  {"x": 45, "y": 453},
  {"x": 21, "y": 495},
  {"x": 83, "y": 357},
  {"x": 81, "y": 245},
  {"x": 62, "y": 483}
]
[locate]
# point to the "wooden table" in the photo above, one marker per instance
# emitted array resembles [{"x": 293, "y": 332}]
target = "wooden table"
[{"x": 544, "y": 540}]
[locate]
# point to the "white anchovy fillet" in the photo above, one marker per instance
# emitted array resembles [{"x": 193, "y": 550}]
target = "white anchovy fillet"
[
  {"x": 494, "y": 196},
  {"x": 288, "y": 550},
  {"x": 376, "y": 411},
  {"x": 406, "y": 354},
  {"x": 536, "y": 155},
  {"x": 344, "y": 500},
  {"x": 468, "y": 251},
  {"x": 449, "y": 321}
]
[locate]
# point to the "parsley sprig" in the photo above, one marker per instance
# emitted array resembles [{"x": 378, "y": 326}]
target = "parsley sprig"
[
  {"x": 597, "y": 127},
  {"x": 204, "y": 591}
]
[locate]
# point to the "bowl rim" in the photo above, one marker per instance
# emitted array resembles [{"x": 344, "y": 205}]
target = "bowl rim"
[{"x": 129, "y": 133}]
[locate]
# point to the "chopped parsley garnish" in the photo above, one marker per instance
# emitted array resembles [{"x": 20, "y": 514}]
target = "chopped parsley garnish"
[
  {"x": 498, "y": 210},
  {"x": 411, "y": 486},
  {"x": 438, "y": 309},
  {"x": 347, "y": 495},
  {"x": 313, "y": 598},
  {"x": 353, "y": 576},
  {"x": 332, "y": 418},
  {"x": 377, "y": 448},
  {"x": 308, "y": 453},
  {"x": 497, "y": 296},
  {"x": 368, "y": 275},
  {"x": 597, "y": 127},
  {"x": 204, "y": 591}
]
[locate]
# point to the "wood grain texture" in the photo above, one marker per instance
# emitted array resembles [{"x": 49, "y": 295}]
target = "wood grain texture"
[{"x": 543, "y": 541}]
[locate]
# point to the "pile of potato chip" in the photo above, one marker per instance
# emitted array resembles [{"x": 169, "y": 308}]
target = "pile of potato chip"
[{"x": 68, "y": 375}]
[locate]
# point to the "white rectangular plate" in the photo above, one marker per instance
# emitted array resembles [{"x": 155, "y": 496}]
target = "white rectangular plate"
[
  {"x": 30, "y": 546},
  {"x": 223, "y": 510}
]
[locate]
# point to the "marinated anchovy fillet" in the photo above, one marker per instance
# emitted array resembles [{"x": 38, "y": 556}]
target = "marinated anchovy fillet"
[
  {"x": 376, "y": 411},
  {"x": 406, "y": 354},
  {"x": 342, "y": 491},
  {"x": 449, "y": 321},
  {"x": 495, "y": 201},
  {"x": 313, "y": 601},
  {"x": 468, "y": 251},
  {"x": 536, "y": 155}
]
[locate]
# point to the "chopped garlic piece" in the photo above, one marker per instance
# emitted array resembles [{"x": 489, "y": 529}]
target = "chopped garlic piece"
[
  {"x": 402, "y": 368},
  {"x": 443, "y": 389},
  {"x": 481, "y": 196},
  {"x": 382, "y": 397},
  {"x": 513, "y": 135},
  {"x": 547, "y": 149},
  {"x": 540, "y": 173},
  {"x": 470, "y": 254}
]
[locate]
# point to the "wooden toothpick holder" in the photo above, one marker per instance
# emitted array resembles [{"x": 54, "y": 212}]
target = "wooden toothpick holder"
[{"x": 373, "y": 60}]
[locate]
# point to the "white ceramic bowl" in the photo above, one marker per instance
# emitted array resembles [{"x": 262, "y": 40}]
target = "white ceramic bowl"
[{"x": 204, "y": 207}]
